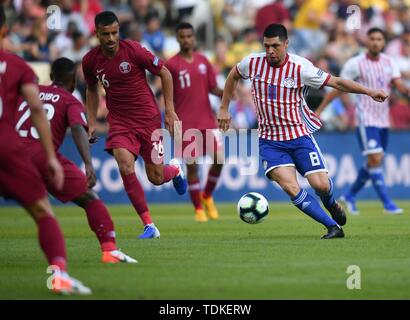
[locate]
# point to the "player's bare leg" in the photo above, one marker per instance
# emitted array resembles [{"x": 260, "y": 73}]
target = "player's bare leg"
[
  {"x": 194, "y": 188},
  {"x": 126, "y": 164},
  {"x": 52, "y": 243},
  {"x": 349, "y": 198},
  {"x": 286, "y": 178},
  {"x": 100, "y": 222},
  {"x": 159, "y": 174},
  {"x": 323, "y": 186},
  {"x": 206, "y": 195}
]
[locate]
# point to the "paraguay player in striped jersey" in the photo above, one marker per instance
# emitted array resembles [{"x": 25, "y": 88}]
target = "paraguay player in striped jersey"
[
  {"x": 279, "y": 83},
  {"x": 373, "y": 69}
]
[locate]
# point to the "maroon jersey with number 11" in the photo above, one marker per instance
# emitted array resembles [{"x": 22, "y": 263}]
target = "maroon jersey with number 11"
[{"x": 193, "y": 80}]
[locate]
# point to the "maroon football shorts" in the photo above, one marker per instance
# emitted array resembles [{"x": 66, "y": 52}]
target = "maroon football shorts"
[
  {"x": 208, "y": 142},
  {"x": 75, "y": 181},
  {"x": 19, "y": 178},
  {"x": 146, "y": 142}
]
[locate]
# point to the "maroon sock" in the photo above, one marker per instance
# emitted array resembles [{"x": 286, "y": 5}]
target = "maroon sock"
[
  {"x": 211, "y": 183},
  {"x": 137, "y": 197},
  {"x": 52, "y": 241},
  {"x": 194, "y": 188},
  {"x": 170, "y": 172},
  {"x": 100, "y": 222}
]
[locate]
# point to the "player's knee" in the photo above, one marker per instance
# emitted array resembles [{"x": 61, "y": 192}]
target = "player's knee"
[
  {"x": 374, "y": 161},
  {"x": 156, "y": 178},
  {"x": 291, "y": 189},
  {"x": 126, "y": 167},
  {"x": 40, "y": 209},
  {"x": 192, "y": 173},
  {"x": 86, "y": 198},
  {"x": 192, "y": 177},
  {"x": 322, "y": 188},
  {"x": 320, "y": 185}
]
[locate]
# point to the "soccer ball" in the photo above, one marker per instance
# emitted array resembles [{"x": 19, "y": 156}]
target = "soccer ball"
[{"x": 253, "y": 207}]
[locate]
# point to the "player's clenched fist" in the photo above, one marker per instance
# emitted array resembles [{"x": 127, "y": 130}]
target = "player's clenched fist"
[
  {"x": 172, "y": 123},
  {"x": 92, "y": 131},
  {"x": 224, "y": 119},
  {"x": 90, "y": 174},
  {"x": 379, "y": 95}
]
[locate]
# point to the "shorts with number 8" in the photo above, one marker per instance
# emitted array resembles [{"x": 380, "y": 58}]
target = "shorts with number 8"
[{"x": 302, "y": 153}]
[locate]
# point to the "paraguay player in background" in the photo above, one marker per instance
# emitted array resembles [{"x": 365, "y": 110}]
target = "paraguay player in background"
[
  {"x": 375, "y": 70},
  {"x": 134, "y": 117},
  {"x": 193, "y": 80},
  {"x": 19, "y": 179},
  {"x": 65, "y": 111},
  {"x": 279, "y": 83}
]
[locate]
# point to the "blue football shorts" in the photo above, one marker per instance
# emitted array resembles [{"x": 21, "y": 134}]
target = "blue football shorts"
[
  {"x": 372, "y": 139},
  {"x": 302, "y": 153}
]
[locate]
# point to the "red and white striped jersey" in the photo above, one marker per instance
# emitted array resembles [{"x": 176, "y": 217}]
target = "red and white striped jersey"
[
  {"x": 374, "y": 74},
  {"x": 278, "y": 94}
]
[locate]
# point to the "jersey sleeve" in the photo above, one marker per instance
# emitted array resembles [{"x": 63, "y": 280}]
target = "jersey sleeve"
[
  {"x": 75, "y": 114},
  {"x": 350, "y": 70},
  {"x": 396, "y": 74},
  {"x": 27, "y": 75},
  {"x": 89, "y": 76},
  {"x": 243, "y": 68},
  {"x": 146, "y": 59},
  {"x": 313, "y": 77}
]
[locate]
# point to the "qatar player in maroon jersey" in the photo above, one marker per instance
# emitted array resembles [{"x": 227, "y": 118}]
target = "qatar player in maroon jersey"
[
  {"x": 65, "y": 111},
  {"x": 193, "y": 80},
  {"x": 19, "y": 179},
  {"x": 134, "y": 117}
]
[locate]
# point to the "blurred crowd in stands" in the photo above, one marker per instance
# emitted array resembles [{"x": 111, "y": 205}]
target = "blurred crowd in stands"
[{"x": 227, "y": 30}]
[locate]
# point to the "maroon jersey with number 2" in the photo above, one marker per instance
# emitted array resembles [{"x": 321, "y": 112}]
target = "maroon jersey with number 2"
[{"x": 63, "y": 111}]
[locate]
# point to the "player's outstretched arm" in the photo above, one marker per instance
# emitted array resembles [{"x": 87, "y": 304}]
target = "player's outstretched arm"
[
  {"x": 38, "y": 117},
  {"x": 171, "y": 118},
  {"x": 401, "y": 86},
  {"x": 224, "y": 117},
  {"x": 92, "y": 103},
  {"x": 354, "y": 87},
  {"x": 217, "y": 92},
  {"x": 81, "y": 141}
]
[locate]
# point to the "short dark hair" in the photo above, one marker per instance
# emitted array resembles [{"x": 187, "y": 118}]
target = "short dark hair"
[
  {"x": 105, "y": 18},
  {"x": 76, "y": 35},
  {"x": 184, "y": 25},
  {"x": 276, "y": 30},
  {"x": 2, "y": 16},
  {"x": 62, "y": 68},
  {"x": 375, "y": 29},
  {"x": 151, "y": 16}
]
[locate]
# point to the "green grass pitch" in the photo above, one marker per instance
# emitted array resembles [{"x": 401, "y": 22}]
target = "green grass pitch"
[{"x": 281, "y": 258}]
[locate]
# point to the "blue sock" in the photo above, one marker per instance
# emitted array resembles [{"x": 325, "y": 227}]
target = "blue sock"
[
  {"x": 328, "y": 199},
  {"x": 361, "y": 180},
  {"x": 309, "y": 205},
  {"x": 376, "y": 175}
]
